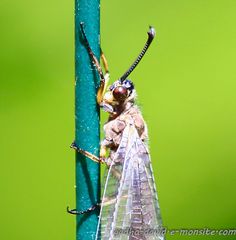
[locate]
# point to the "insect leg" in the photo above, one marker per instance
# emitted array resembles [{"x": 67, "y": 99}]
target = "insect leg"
[
  {"x": 103, "y": 78},
  {"x": 104, "y": 62},
  {"x": 87, "y": 154},
  {"x": 95, "y": 159},
  {"x": 101, "y": 159},
  {"x": 103, "y": 84},
  {"x": 76, "y": 212}
]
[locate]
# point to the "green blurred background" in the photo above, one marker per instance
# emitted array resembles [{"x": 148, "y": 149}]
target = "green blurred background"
[{"x": 186, "y": 86}]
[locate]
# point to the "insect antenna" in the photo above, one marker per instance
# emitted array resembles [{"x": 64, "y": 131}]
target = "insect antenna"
[
  {"x": 91, "y": 54},
  {"x": 151, "y": 35}
]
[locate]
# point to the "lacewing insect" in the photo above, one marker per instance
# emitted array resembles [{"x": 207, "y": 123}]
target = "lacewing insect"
[{"x": 129, "y": 207}]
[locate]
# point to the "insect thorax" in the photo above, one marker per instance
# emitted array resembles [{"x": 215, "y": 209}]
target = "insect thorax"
[{"x": 114, "y": 127}]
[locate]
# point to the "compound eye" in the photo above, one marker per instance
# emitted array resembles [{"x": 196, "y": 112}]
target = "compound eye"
[{"x": 120, "y": 93}]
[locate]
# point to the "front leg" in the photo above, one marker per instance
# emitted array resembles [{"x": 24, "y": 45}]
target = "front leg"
[
  {"x": 103, "y": 152},
  {"x": 103, "y": 84},
  {"x": 102, "y": 88}
]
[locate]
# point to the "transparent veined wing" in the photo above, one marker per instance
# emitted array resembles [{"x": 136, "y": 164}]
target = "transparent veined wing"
[{"x": 130, "y": 208}]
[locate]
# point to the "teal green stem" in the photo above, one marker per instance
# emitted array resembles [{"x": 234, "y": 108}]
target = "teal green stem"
[{"x": 87, "y": 118}]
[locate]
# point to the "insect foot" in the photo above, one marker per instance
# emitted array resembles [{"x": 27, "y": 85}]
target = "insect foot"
[{"x": 76, "y": 212}]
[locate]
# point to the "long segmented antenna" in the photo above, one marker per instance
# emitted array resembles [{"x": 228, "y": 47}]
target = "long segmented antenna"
[
  {"x": 151, "y": 34},
  {"x": 91, "y": 54}
]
